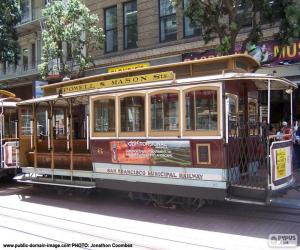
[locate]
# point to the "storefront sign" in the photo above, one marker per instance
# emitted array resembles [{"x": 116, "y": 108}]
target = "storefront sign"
[
  {"x": 157, "y": 153},
  {"x": 281, "y": 161},
  {"x": 128, "y": 67},
  {"x": 162, "y": 76},
  {"x": 267, "y": 53}
]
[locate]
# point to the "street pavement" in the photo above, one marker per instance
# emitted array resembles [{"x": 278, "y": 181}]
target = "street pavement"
[{"x": 108, "y": 219}]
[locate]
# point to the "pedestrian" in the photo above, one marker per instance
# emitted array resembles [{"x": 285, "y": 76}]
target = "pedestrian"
[
  {"x": 279, "y": 134},
  {"x": 287, "y": 131}
]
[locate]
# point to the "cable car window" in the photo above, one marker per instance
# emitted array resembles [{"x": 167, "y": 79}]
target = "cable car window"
[
  {"x": 232, "y": 114},
  {"x": 42, "y": 124},
  {"x": 10, "y": 119},
  {"x": 252, "y": 116},
  {"x": 59, "y": 121},
  {"x": 104, "y": 113},
  {"x": 201, "y": 110},
  {"x": 164, "y": 112},
  {"x": 26, "y": 118},
  {"x": 132, "y": 114}
]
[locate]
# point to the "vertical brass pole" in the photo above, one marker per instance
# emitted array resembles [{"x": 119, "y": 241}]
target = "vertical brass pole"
[
  {"x": 50, "y": 117},
  {"x": 34, "y": 134},
  {"x": 71, "y": 138}
]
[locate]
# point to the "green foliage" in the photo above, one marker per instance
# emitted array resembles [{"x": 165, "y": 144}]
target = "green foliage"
[
  {"x": 69, "y": 25},
  {"x": 10, "y": 16},
  {"x": 227, "y": 18}
]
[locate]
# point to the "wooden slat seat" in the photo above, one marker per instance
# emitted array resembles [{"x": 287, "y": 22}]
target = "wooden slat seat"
[{"x": 81, "y": 161}]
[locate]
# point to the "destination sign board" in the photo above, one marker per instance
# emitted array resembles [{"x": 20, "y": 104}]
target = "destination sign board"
[{"x": 155, "y": 77}]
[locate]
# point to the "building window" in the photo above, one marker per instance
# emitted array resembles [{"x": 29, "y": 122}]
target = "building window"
[
  {"x": 167, "y": 20},
  {"x": 201, "y": 112},
  {"x": 130, "y": 25},
  {"x": 25, "y": 11},
  {"x": 25, "y": 59},
  {"x": 111, "y": 33},
  {"x": 244, "y": 14},
  {"x": 189, "y": 28},
  {"x": 33, "y": 55},
  {"x": 132, "y": 114},
  {"x": 273, "y": 15},
  {"x": 104, "y": 113},
  {"x": 164, "y": 112}
]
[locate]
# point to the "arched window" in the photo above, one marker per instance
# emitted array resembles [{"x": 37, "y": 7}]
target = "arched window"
[
  {"x": 164, "y": 112},
  {"x": 104, "y": 115},
  {"x": 202, "y": 111},
  {"x": 132, "y": 113}
]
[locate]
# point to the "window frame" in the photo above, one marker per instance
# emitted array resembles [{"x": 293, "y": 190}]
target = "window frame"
[
  {"x": 106, "y": 30},
  {"x": 126, "y": 26},
  {"x": 208, "y": 152},
  {"x": 235, "y": 97},
  {"x": 164, "y": 133},
  {"x": 129, "y": 134},
  {"x": 65, "y": 113},
  {"x": 253, "y": 101},
  {"x": 217, "y": 132},
  {"x": 93, "y": 116},
  {"x": 20, "y": 121},
  {"x": 160, "y": 18},
  {"x": 184, "y": 23}
]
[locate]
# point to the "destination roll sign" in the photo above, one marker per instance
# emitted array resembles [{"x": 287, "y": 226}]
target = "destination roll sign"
[{"x": 161, "y": 76}]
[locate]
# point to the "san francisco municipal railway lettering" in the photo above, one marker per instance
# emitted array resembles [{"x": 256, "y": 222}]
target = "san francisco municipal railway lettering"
[{"x": 149, "y": 173}]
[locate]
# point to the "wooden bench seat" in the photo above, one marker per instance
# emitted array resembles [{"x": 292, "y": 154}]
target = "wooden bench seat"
[{"x": 81, "y": 161}]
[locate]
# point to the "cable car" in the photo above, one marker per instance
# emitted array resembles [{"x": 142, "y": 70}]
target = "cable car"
[
  {"x": 8, "y": 134},
  {"x": 183, "y": 132}
]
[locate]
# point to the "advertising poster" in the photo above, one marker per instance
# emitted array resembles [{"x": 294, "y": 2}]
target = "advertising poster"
[
  {"x": 157, "y": 153},
  {"x": 267, "y": 53},
  {"x": 281, "y": 161}
]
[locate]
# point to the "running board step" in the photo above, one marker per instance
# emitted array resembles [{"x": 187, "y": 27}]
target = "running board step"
[
  {"x": 246, "y": 201},
  {"x": 62, "y": 183}
]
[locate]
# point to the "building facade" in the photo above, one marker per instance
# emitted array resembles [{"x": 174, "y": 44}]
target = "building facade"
[{"x": 139, "y": 31}]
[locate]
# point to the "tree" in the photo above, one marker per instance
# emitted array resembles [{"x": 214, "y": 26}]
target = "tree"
[
  {"x": 10, "y": 16},
  {"x": 69, "y": 32},
  {"x": 225, "y": 20}
]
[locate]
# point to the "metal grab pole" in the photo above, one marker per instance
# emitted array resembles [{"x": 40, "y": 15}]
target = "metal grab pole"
[
  {"x": 268, "y": 146},
  {"x": 48, "y": 133},
  {"x": 87, "y": 133},
  {"x": 68, "y": 133},
  {"x": 1, "y": 135},
  {"x": 31, "y": 134},
  {"x": 16, "y": 129},
  {"x": 17, "y": 144},
  {"x": 292, "y": 125},
  {"x": 227, "y": 119},
  {"x": 269, "y": 100}
]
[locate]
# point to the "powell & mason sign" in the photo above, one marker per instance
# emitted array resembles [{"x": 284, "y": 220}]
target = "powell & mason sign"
[{"x": 161, "y": 76}]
